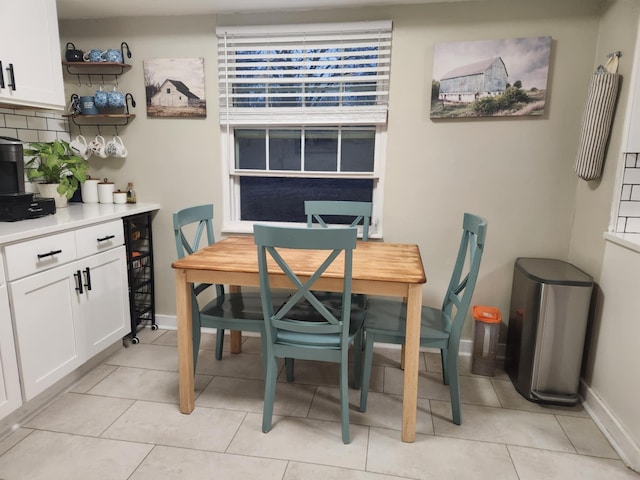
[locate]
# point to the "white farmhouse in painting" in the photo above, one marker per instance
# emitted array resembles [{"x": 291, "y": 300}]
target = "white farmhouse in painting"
[
  {"x": 474, "y": 81},
  {"x": 174, "y": 93}
]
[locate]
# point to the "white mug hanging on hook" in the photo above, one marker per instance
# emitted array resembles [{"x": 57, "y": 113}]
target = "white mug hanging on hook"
[
  {"x": 97, "y": 146},
  {"x": 80, "y": 147},
  {"x": 116, "y": 148}
]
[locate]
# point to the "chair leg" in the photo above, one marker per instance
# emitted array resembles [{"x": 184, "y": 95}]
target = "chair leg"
[
  {"x": 219, "y": 343},
  {"x": 445, "y": 370},
  {"x": 357, "y": 360},
  {"x": 344, "y": 396},
  {"x": 454, "y": 386},
  {"x": 269, "y": 392},
  {"x": 263, "y": 342},
  {"x": 288, "y": 365},
  {"x": 366, "y": 374},
  {"x": 195, "y": 333}
]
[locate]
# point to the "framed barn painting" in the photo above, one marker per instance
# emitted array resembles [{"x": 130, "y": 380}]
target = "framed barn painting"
[
  {"x": 490, "y": 78},
  {"x": 174, "y": 87}
]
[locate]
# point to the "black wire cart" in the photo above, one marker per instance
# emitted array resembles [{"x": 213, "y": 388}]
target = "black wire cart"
[{"x": 139, "y": 243}]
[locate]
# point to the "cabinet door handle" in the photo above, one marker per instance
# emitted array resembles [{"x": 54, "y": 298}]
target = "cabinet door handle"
[
  {"x": 104, "y": 239},
  {"x": 12, "y": 82},
  {"x": 1, "y": 76},
  {"x": 87, "y": 278},
  {"x": 78, "y": 278},
  {"x": 50, "y": 254}
]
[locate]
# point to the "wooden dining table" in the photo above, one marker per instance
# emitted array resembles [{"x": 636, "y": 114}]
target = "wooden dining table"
[{"x": 379, "y": 268}]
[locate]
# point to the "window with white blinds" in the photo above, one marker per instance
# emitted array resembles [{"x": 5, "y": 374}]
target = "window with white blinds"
[{"x": 315, "y": 74}]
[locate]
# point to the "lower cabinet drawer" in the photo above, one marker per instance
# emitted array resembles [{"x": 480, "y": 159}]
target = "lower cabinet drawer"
[
  {"x": 98, "y": 238},
  {"x": 39, "y": 254}
]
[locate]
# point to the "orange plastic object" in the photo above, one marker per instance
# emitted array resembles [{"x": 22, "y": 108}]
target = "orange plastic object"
[{"x": 486, "y": 314}]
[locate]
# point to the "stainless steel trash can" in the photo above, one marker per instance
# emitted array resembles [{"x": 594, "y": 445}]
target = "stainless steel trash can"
[{"x": 547, "y": 326}]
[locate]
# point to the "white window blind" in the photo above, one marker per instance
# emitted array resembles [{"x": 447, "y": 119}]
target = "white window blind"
[{"x": 316, "y": 74}]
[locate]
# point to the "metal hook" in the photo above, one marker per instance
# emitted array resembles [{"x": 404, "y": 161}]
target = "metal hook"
[
  {"x": 615, "y": 54},
  {"x": 124, "y": 45},
  {"x": 128, "y": 97},
  {"x": 89, "y": 84}
]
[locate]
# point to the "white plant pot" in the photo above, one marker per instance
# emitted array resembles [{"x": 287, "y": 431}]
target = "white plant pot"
[{"x": 50, "y": 190}]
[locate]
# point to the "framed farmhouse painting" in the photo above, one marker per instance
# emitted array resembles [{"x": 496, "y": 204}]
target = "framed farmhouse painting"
[
  {"x": 490, "y": 78},
  {"x": 174, "y": 87}
]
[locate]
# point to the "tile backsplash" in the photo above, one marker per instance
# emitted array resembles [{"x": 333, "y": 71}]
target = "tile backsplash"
[
  {"x": 33, "y": 126},
  {"x": 629, "y": 210}
]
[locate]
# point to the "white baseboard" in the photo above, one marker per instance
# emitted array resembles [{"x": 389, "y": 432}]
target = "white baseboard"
[{"x": 611, "y": 428}]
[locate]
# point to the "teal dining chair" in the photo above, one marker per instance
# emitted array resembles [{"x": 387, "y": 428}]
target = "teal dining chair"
[
  {"x": 242, "y": 311},
  {"x": 440, "y": 327},
  {"x": 319, "y": 211},
  {"x": 304, "y": 327}
]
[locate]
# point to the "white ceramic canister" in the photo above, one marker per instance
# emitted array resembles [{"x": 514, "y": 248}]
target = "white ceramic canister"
[
  {"x": 105, "y": 191},
  {"x": 89, "y": 190},
  {"x": 119, "y": 197}
]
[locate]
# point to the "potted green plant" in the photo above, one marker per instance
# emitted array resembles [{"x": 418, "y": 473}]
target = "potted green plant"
[{"x": 56, "y": 169}]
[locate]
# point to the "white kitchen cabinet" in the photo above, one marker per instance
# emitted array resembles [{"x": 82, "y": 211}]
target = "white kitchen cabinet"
[
  {"x": 10, "y": 396},
  {"x": 31, "y": 73},
  {"x": 105, "y": 307},
  {"x": 67, "y": 313},
  {"x": 46, "y": 309}
]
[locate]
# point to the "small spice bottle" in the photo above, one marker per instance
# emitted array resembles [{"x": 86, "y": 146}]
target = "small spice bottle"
[{"x": 131, "y": 193}]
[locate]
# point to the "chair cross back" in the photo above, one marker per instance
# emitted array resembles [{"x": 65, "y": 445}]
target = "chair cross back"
[
  {"x": 461, "y": 287},
  {"x": 316, "y": 210},
  {"x": 202, "y": 216},
  {"x": 280, "y": 320},
  {"x": 336, "y": 241}
]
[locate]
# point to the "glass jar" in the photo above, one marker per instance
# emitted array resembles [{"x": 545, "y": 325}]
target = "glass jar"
[{"x": 131, "y": 193}]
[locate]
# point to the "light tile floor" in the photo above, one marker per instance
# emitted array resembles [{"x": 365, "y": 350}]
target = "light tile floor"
[{"x": 121, "y": 421}]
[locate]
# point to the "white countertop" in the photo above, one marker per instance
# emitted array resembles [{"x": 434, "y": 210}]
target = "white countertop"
[
  {"x": 626, "y": 240},
  {"x": 74, "y": 216}
]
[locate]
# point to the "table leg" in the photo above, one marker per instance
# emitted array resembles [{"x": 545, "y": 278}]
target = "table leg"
[
  {"x": 186, "y": 383},
  {"x": 236, "y": 335},
  {"x": 411, "y": 361}
]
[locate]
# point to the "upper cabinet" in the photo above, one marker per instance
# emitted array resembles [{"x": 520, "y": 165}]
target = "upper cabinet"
[{"x": 30, "y": 73}]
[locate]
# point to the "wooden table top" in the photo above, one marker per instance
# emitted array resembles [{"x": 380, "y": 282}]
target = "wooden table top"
[{"x": 372, "y": 261}]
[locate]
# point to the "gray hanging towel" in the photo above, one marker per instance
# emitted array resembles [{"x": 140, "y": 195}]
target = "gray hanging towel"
[{"x": 597, "y": 118}]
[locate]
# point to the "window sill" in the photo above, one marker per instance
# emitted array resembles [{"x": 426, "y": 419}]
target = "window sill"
[{"x": 627, "y": 240}]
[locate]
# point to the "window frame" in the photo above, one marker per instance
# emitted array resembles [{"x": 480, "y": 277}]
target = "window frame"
[
  {"x": 312, "y": 118},
  {"x": 231, "y": 222}
]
